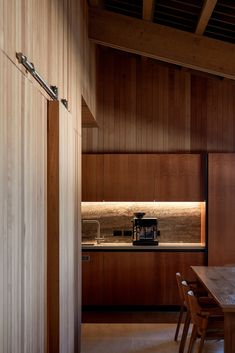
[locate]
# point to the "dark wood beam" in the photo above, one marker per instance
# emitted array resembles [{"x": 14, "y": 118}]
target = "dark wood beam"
[
  {"x": 162, "y": 43},
  {"x": 207, "y": 9}
]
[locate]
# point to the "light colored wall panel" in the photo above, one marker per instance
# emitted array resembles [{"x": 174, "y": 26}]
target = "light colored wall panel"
[
  {"x": 67, "y": 231},
  {"x": 12, "y": 213},
  {"x": 35, "y": 208},
  {"x": 23, "y": 211},
  {"x": 53, "y": 35}
]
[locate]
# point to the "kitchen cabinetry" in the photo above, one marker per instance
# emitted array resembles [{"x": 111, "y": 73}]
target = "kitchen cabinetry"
[
  {"x": 179, "y": 177},
  {"x": 93, "y": 177},
  {"x": 143, "y": 177},
  {"x": 221, "y": 205},
  {"x": 135, "y": 278},
  {"x": 128, "y": 177}
]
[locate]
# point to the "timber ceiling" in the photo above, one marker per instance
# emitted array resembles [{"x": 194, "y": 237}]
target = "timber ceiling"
[{"x": 211, "y": 18}]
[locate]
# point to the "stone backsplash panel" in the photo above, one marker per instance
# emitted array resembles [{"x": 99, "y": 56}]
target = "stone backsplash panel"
[{"x": 177, "y": 221}]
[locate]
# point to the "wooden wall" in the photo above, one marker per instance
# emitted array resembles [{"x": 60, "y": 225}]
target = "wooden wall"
[
  {"x": 62, "y": 235},
  {"x": 23, "y": 126},
  {"x": 221, "y": 221},
  {"x": 53, "y": 35},
  {"x": 69, "y": 249},
  {"x": 147, "y": 106}
]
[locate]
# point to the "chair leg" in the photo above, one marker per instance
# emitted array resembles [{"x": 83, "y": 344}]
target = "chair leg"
[
  {"x": 192, "y": 339},
  {"x": 179, "y": 322},
  {"x": 185, "y": 333},
  {"x": 202, "y": 342}
]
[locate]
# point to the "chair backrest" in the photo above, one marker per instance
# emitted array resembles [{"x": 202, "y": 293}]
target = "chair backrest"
[
  {"x": 179, "y": 280},
  {"x": 196, "y": 311},
  {"x": 185, "y": 289}
]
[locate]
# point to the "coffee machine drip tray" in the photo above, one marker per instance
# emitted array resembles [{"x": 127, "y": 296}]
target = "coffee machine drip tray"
[{"x": 145, "y": 242}]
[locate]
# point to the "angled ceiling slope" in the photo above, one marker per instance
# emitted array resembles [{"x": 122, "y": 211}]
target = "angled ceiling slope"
[{"x": 174, "y": 31}]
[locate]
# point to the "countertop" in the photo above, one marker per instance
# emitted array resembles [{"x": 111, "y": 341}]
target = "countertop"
[{"x": 130, "y": 247}]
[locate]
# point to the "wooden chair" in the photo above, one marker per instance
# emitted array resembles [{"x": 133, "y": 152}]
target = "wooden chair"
[
  {"x": 206, "y": 302},
  {"x": 179, "y": 279},
  {"x": 207, "y": 324},
  {"x": 197, "y": 289}
]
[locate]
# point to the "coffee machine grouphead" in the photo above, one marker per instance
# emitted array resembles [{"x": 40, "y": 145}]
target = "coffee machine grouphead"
[{"x": 145, "y": 230}]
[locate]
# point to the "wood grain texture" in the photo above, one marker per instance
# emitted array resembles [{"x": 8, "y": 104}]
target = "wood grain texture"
[
  {"x": 161, "y": 42},
  {"x": 147, "y": 106},
  {"x": 93, "y": 279},
  {"x": 53, "y": 35},
  {"x": 93, "y": 177},
  {"x": 63, "y": 201},
  {"x": 205, "y": 15},
  {"x": 23, "y": 186},
  {"x": 221, "y": 196},
  {"x": 143, "y": 177},
  {"x": 229, "y": 327},
  {"x": 220, "y": 283},
  {"x": 134, "y": 278},
  {"x": 53, "y": 229}
]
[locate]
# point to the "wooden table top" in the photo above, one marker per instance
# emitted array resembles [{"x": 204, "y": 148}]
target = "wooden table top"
[{"x": 220, "y": 282}]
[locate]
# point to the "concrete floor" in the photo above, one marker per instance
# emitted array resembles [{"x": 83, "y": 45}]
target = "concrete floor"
[{"x": 135, "y": 338}]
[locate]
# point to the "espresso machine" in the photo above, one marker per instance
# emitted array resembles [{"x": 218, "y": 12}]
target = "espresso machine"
[{"x": 145, "y": 230}]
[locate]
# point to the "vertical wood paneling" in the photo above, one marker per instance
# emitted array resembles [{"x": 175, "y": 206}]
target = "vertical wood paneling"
[
  {"x": 23, "y": 213},
  {"x": 53, "y": 34},
  {"x": 12, "y": 212},
  {"x": 198, "y": 118},
  {"x": 63, "y": 231},
  {"x": 147, "y": 106},
  {"x": 35, "y": 189},
  {"x": 221, "y": 196},
  {"x": 110, "y": 274}
]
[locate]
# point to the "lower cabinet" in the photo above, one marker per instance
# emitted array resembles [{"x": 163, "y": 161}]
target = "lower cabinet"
[{"x": 135, "y": 278}]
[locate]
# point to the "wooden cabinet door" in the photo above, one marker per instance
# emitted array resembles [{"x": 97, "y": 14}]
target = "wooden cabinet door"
[
  {"x": 145, "y": 278},
  {"x": 128, "y": 177},
  {"x": 179, "y": 177},
  {"x": 221, "y": 205},
  {"x": 135, "y": 278},
  {"x": 92, "y": 278},
  {"x": 92, "y": 177},
  {"x": 142, "y": 177}
]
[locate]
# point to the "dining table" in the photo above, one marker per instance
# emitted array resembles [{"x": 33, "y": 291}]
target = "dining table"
[{"x": 219, "y": 281}]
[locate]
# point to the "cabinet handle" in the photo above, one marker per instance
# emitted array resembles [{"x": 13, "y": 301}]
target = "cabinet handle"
[{"x": 86, "y": 258}]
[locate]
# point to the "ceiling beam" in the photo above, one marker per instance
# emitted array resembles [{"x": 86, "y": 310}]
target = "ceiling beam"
[
  {"x": 207, "y": 9},
  {"x": 162, "y": 43},
  {"x": 148, "y": 10}
]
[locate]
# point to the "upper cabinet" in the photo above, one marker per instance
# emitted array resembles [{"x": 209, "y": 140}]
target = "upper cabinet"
[
  {"x": 128, "y": 177},
  {"x": 179, "y": 177},
  {"x": 92, "y": 177},
  {"x": 143, "y": 177}
]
